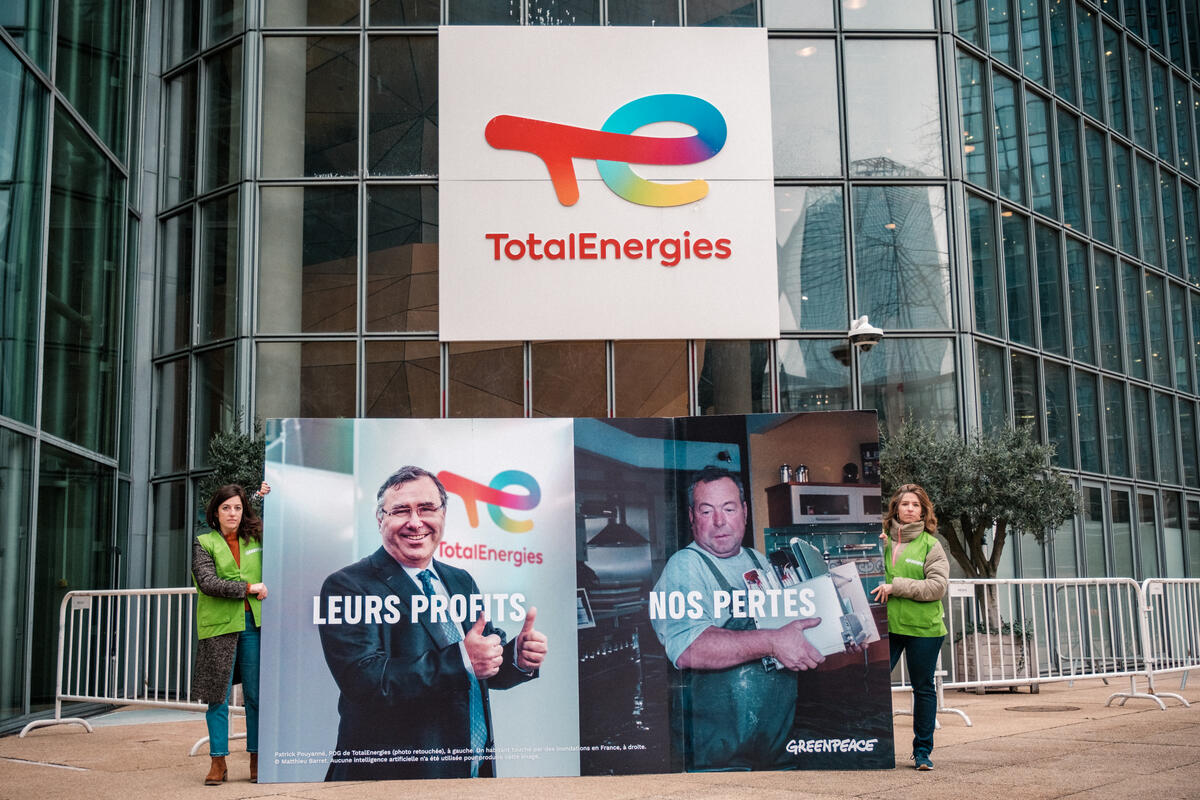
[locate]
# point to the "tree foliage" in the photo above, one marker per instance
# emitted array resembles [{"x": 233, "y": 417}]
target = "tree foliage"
[
  {"x": 998, "y": 482},
  {"x": 236, "y": 457}
]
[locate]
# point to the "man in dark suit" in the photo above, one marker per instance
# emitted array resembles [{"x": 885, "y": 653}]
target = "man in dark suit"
[{"x": 414, "y": 696}]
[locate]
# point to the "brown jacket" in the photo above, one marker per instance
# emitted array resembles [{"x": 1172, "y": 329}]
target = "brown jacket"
[{"x": 937, "y": 572}]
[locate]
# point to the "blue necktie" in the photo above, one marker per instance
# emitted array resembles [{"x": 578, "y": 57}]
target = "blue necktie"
[{"x": 479, "y": 730}]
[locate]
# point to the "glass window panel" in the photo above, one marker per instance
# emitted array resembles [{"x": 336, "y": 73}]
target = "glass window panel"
[
  {"x": 1123, "y": 185},
  {"x": 1033, "y": 557},
  {"x": 1115, "y": 80},
  {"x": 1162, "y": 109},
  {"x": 402, "y": 258},
  {"x": 1058, "y": 414},
  {"x": 1000, "y": 35},
  {"x": 1018, "y": 277},
  {"x": 1087, "y": 416},
  {"x": 1115, "y": 427},
  {"x": 223, "y": 132},
  {"x": 1170, "y": 214},
  {"x": 1095, "y": 555},
  {"x": 650, "y": 379},
  {"x": 1179, "y": 338},
  {"x": 92, "y": 65},
  {"x": 305, "y": 379},
  {"x": 779, "y": 13},
  {"x": 1173, "y": 564},
  {"x": 966, "y": 17},
  {"x": 1108, "y": 312},
  {"x": 310, "y": 106},
  {"x": 898, "y": 14},
  {"x": 1135, "y": 326},
  {"x": 216, "y": 398},
  {"x": 1079, "y": 285},
  {"x": 404, "y": 12},
  {"x": 1041, "y": 155},
  {"x": 171, "y": 541},
  {"x": 1187, "y": 442},
  {"x": 1090, "y": 65},
  {"x": 564, "y": 12},
  {"x": 22, "y": 167},
  {"x": 810, "y": 226},
  {"x": 1098, "y": 184},
  {"x": 1139, "y": 96},
  {"x": 16, "y": 474},
  {"x": 724, "y": 13},
  {"x": 1156, "y": 323},
  {"x": 902, "y": 260},
  {"x": 1193, "y": 537},
  {"x": 403, "y": 379},
  {"x": 894, "y": 125},
  {"x": 569, "y": 379},
  {"x": 1063, "y": 543},
  {"x": 220, "y": 255},
  {"x": 128, "y": 346},
  {"x": 171, "y": 416},
  {"x": 179, "y": 158},
  {"x": 1122, "y": 533},
  {"x": 1032, "y": 45},
  {"x": 804, "y": 107},
  {"x": 487, "y": 379},
  {"x": 83, "y": 292},
  {"x": 1175, "y": 32},
  {"x": 174, "y": 324},
  {"x": 225, "y": 18},
  {"x": 982, "y": 228},
  {"x": 1133, "y": 15},
  {"x": 1195, "y": 298},
  {"x": 1026, "y": 392},
  {"x": 485, "y": 12},
  {"x": 1010, "y": 155},
  {"x": 29, "y": 23},
  {"x": 307, "y": 249},
  {"x": 311, "y": 13},
  {"x": 911, "y": 378},
  {"x": 993, "y": 390},
  {"x": 402, "y": 106},
  {"x": 814, "y": 375},
  {"x": 1050, "y": 290},
  {"x": 974, "y": 98},
  {"x": 734, "y": 377},
  {"x": 75, "y": 550},
  {"x": 1164, "y": 425},
  {"x": 1143, "y": 442},
  {"x": 1147, "y": 537},
  {"x": 1154, "y": 25},
  {"x": 1191, "y": 252},
  {"x": 1070, "y": 169}
]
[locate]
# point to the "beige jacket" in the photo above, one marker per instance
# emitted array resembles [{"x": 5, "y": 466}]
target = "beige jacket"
[{"x": 937, "y": 568}]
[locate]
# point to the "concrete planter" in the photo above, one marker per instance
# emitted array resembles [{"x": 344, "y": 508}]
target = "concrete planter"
[{"x": 990, "y": 657}]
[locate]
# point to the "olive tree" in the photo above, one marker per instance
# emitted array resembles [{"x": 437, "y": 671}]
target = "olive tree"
[{"x": 236, "y": 457}]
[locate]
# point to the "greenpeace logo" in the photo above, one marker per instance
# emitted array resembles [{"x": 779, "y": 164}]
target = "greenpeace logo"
[{"x": 798, "y": 746}]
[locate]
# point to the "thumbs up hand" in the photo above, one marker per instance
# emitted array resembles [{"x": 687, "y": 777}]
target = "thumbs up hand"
[
  {"x": 531, "y": 646},
  {"x": 486, "y": 652}
]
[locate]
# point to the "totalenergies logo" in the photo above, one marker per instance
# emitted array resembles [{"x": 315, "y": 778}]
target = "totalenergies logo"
[
  {"x": 614, "y": 147},
  {"x": 495, "y": 498}
]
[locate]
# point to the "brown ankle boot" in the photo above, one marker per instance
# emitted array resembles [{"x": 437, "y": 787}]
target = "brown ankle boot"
[
  {"x": 254, "y": 767},
  {"x": 216, "y": 772}
]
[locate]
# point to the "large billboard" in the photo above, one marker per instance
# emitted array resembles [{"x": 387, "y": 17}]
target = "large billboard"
[
  {"x": 605, "y": 183},
  {"x": 634, "y": 550}
]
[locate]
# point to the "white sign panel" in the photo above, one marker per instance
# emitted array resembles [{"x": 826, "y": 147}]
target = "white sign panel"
[{"x": 605, "y": 183}]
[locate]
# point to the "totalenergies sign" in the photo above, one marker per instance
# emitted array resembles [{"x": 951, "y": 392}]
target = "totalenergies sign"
[{"x": 605, "y": 183}]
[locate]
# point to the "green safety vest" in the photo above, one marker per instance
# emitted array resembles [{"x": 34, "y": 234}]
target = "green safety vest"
[
  {"x": 217, "y": 615},
  {"x": 905, "y": 615}
]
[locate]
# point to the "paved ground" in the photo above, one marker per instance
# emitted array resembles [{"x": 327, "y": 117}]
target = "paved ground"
[{"x": 1062, "y": 742}]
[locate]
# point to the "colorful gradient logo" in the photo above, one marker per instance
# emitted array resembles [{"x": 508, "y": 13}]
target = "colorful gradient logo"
[
  {"x": 614, "y": 147},
  {"x": 495, "y": 498}
]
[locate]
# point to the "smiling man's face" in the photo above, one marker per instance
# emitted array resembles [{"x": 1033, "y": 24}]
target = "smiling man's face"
[{"x": 409, "y": 537}]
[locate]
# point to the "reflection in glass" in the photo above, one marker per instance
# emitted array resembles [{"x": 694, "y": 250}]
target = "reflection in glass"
[
  {"x": 1095, "y": 555},
  {"x": 1069, "y": 167},
  {"x": 902, "y": 259},
  {"x": 128, "y": 345},
  {"x": 1164, "y": 425},
  {"x": 216, "y": 398},
  {"x": 1101, "y": 204},
  {"x": 29, "y": 23},
  {"x": 1115, "y": 80},
  {"x": 1107, "y": 309},
  {"x": 1026, "y": 392},
  {"x": 733, "y": 377},
  {"x": 1033, "y": 61},
  {"x": 310, "y": 106},
  {"x": 1179, "y": 339},
  {"x": 92, "y": 63},
  {"x": 174, "y": 324},
  {"x": 403, "y": 379},
  {"x": 1173, "y": 254},
  {"x": 1183, "y": 130},
  {"x": 982, "y": 230},
  {"x": 993, "y": 391},
  {"x": 223, "y": 131},
  {"x": 16, "y": 473},
  {"x": 1139, "y": 96},
  {"x": 1123, "y": 185},
  {"x": 225, "y": 18},
  {"x": 1115, "y": 427},
  {"x": 966, "y": 17},
  {"x": 1187, "y": 443},
  {"x": 171, "y": 416},
  {"x": 487, "y": 379},
  {"x": 1147, "y": 537},
  {"x": 887, "y": 14},
  {"x": 171, "y": 546},
  {"x": 402, "y": 258},
  {"x": 1191, "y": 236},
  {"x": 1122, "y": 533},
  {"x": 1193, "y": 538},
  {"x": 305, "y": 379},
  {"x": 650, "y": 379},
  {"x": 179, "y": 159},
  {"x": 814, "y": 375},
  {"x": 307, "y": 255},
  {"x": 404, "y": 12},
  {"x": 1172, "y": 535},
  {"x": 1018, "y": 278},
  {"x": 1050, "y": 291},
  {"x": 484, "y": 12},
  {"x": 1195, "y": 302},
  {"x": 1000, "y": 33},
  {"x": 1162, "y": 110},
  {"x": 894, "y": 122},
  {"x": 1088, "y": 417},
  {"x": 22, "y": 166},
  {"x": 1063, "y": 544},
  {"x": 569, "y": 379},
  {"x": 722, "y": 13},
  {"x": 312, "y": 13},
  {"x": 804, "y": 108},
  {"x": 1143, "y": 442},
  {"x": 1041, "y": 155},
  {"x": 564, "y": 12},
  {"x": 83, "y": 292},
  {"x": 402, "y": 106},
  {"x": 1135, "y": 324},
  {"x": 782, "y": 13},
  {"x": 1090, "y": 66},
  {"x": 973, "y": 98},
  {"x": 1080, "y": 294},
  {"x": 811, "y": 247},
  {"x": 903, "y": 378},
  {"x": 219, "y": 258},
  {"x": 1156, "y": 324},
  {"x": 1010, "y": 155},
  {"x": 1058, "y": 414}
]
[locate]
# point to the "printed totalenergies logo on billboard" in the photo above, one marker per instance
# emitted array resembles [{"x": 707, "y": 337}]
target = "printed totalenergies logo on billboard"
[
  {"x": 614, "y": 147},
  {"x": 495, "y": 498}
]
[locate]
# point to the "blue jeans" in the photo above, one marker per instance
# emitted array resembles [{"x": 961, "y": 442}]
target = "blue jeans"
[
  {"x": 920, "y": 656},
  {"x": 217, "y": 715}
]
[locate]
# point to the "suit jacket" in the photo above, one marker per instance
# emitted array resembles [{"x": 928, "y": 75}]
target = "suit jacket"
[{"x": 399, "y": 689}]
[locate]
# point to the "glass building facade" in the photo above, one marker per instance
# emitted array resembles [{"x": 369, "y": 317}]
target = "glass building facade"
[{"x": 213, "y": 211}]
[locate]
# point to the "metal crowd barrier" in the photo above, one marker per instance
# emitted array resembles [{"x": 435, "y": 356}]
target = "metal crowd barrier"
[{"x": 125, "y": 647}]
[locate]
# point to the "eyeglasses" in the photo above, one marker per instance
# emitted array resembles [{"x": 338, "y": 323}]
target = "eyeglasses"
[{"x": 425, "y": 511}]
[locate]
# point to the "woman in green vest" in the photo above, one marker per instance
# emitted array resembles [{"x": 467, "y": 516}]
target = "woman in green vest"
[
  {"x": 227, "y": 571},
  {"x": 916, "y": 574}
]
